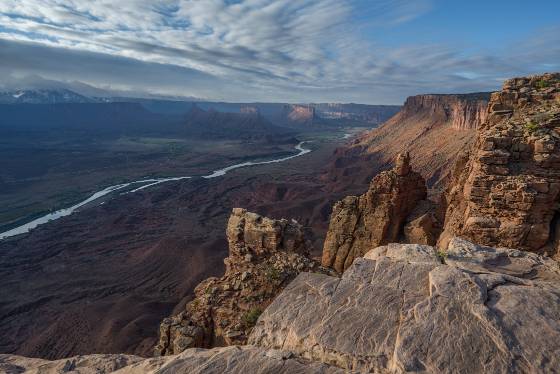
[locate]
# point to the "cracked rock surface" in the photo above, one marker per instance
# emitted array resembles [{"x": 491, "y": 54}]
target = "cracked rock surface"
[
  {"x": 401, "y": 309},
  {"x": 241, "y": 360}
]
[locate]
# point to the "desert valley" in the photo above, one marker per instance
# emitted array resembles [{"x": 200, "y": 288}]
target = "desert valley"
[{"x": 211, "y": 206}]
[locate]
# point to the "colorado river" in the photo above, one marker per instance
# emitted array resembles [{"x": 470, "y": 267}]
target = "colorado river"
[{"x": 144, "y": 184}]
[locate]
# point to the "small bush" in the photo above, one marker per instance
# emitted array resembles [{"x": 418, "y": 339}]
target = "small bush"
[
  {"x": 251, "y": 317},
  {"x": 531, "y": 127},
  {"x": 542, "y": 84},
  {"x": 195, "y": 304},
  {"x": 272, "y": 274},
  {"x": 442, "y": 256}
]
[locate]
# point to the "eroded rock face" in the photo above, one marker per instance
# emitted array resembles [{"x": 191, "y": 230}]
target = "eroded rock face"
[
  {"x": 264, "y": 256},
  {"x": 361, "y": 223},
  {"x": 509, "y": 192},
  {"x": 299, "y": 113},
  {"x": 240, "y": 360},
  {"x": 401, "y": 309},
  {"x": 433, "y": 128},
  {"x": 422, "y": 224},
  {"x": 462, "y": 111}
]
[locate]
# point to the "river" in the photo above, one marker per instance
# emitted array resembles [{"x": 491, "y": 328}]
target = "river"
[{"x": 143, "y": 184}]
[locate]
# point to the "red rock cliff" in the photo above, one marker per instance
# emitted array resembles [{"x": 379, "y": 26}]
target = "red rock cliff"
[
  {"x": 434, "y": 129},
  {"x": 508, "y": 192},
  {"x": 461, "y": 112},
  {"x": 299, "y": 113}
]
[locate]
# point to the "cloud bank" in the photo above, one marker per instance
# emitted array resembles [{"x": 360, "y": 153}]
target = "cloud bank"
[{"x": 262, "y": 50}]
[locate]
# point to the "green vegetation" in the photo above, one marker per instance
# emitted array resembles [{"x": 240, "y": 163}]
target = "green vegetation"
[
  {"x": 272, "y": 274},
  {"x": 542, "y": 84},
  {"x": 194, "y": 304},
  {"x": 442, "y": 256},
  {"x": 250, "y": 318},
  {"x": 531, "y": 127}
]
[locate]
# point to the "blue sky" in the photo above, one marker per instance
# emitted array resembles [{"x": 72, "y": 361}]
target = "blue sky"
[
  {"x": 367, "y": 51},
  {"x": 480, "y": 23}
]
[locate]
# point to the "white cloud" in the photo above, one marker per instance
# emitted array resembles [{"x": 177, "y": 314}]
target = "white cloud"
[{"x": 256, "y": 49}]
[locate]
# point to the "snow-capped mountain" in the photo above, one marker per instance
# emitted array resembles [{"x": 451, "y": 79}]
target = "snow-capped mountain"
[{"x": 43, "y": 96}]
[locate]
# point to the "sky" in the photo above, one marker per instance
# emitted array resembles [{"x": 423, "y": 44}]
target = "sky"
[{"x": 364, "y": 51}]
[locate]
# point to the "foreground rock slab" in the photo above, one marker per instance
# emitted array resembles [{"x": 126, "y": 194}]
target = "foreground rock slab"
[
  {"x": 233, "y": 359},
  {"x": 402, "y": 309}
]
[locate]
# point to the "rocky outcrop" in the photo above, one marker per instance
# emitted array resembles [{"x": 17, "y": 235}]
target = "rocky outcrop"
[
  {"x": 434, "y": 129},
  {"x": 303, "y": 114},
  {"x": 462, "y": 112},
  {"x": 264, "y": 256},
  {"x": 360, "y": 113},
  {"x": 249, "y": 110},
  {"x": 407, "y": 308},
  {"x": 241, "y": 360},
  {"x": 247, "y": 124},
  {"x": 360, "y": 223},
  {"x": 508, "y": 193}
]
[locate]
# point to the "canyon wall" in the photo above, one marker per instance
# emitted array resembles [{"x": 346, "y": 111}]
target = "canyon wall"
[
  {"x": 434, "y": 129},
  {"x": 508, "y": 191},
  {"x": 461, "y": 112}
]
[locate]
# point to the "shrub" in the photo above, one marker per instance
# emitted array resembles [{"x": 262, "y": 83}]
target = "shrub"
[
  {"x": 195, "y": 304},
  {"x": 531, "y": 127},
  {"x": 442, "y": 256},
  {"x": 542, "y": 84},
  {"x": 272, "y": 274},
  {"x": 251, "y": 317}
]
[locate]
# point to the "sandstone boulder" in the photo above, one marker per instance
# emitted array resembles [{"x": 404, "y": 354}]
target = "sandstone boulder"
[
  {"x": 361, "y": 223},
  {"x": 408, "y": 308}
]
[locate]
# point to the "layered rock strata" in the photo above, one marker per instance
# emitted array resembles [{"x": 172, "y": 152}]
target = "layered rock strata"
[
  {"x": 434, "y": 129},
  {"x": 360, "y": 223},
  {"x": 462, "y": 112},
  {"x": 302, "y": 114},
  {"x": 508, "y": 193},
  {"x": 406, "y": 308},
  {"x": 264, "y": 256}
]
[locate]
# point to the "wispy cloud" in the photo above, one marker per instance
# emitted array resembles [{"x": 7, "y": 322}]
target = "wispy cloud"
[{"x": 245, "y": 50}]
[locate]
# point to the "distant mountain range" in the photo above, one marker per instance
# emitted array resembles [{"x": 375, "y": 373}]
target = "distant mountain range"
[
  {"x": 283, "y": 114},
  {"x": 43, "y": 96}
]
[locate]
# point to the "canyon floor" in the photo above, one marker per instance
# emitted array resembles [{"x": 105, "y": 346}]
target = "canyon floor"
[{"x": 111, "y": 272}]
